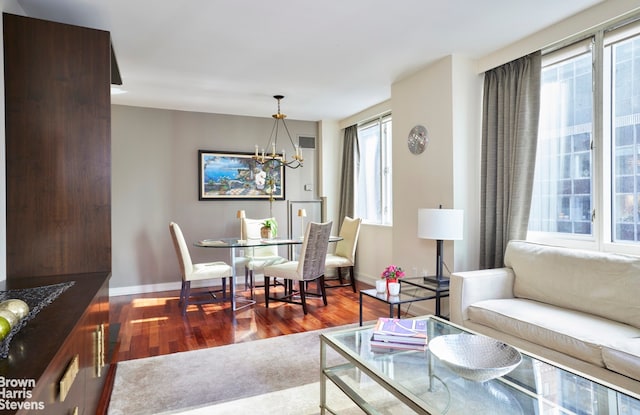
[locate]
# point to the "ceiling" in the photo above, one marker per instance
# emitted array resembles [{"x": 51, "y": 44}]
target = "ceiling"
[{"x": 331, "y": 58}]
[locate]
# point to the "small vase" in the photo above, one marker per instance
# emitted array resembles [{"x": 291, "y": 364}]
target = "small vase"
[
  {"x": 265, "y": 233},
  {"x": 394, "y": 288},
  {"x": 389, "y": 280}
]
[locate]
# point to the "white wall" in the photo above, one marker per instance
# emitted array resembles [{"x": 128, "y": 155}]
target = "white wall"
[{"x": 155, "y": 181}]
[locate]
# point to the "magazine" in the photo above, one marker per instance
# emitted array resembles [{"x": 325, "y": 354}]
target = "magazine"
[
  {"x": 387, "y": 346},
  {"x": 405, "y": 331}
]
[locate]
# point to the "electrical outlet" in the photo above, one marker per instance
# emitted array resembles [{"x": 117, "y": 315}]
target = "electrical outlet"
[
  {"x": 425, "y": 272},
  {"x": 415, "y": 271}
]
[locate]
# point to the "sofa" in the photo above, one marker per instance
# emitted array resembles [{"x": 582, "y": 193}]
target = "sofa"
[{"x": 576, "y": 308}]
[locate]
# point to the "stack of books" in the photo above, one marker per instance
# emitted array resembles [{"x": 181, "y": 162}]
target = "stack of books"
[{"x": 393, "y": 333}]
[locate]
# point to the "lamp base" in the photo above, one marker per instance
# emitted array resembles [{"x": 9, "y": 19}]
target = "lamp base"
[{"x": 441, "y": 281}]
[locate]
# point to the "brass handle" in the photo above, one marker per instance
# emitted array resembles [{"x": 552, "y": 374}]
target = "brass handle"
[
  {"x": 100, "y": 347},
  {"x": 69, "y": 376}
]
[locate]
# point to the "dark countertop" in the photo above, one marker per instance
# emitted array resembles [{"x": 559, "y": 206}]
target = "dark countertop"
[{"x": 35, "y": 345}]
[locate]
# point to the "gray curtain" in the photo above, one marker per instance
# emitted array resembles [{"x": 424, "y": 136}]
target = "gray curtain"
[
  {"x": 350, "y": 162},
  {"x": 511, "y": 110}
]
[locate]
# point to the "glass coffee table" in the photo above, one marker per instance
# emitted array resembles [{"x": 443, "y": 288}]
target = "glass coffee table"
[{"x": 411, "y": 381}]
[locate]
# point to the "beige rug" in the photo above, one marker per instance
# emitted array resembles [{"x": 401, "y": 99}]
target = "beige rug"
[{"x": 180, "y": 381}]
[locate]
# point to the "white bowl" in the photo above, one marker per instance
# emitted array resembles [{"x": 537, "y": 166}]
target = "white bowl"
[{"x": 477, "y": 358}]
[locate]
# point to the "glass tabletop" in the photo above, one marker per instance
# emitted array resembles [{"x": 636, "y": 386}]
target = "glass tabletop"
[
  {"x": 240, "y": 243},
  {"x": 419, "y": 381},
  {"x": 406, "y": 296}
]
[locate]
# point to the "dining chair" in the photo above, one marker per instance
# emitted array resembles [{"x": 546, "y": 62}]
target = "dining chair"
[
  {"x": 309, "y": 267},
  {"x": 344, "y": 255},
  {"x": 197, "y": 272},
  {"x": 255, "y": 259}
]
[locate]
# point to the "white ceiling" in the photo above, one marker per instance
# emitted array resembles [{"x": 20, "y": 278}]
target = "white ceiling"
[{"x": 330, "y": 58}]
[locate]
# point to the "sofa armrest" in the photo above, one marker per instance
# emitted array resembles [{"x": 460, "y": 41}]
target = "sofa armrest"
[{"x": 467, "y": 288}]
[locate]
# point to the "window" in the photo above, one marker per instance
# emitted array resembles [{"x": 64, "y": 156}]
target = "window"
[
  {"x": 587, "y": 174},
  {"x": 373, "y": 180}
]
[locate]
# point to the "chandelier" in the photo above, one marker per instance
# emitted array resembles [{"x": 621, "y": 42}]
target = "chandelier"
[{"x": 271, "y": 157}]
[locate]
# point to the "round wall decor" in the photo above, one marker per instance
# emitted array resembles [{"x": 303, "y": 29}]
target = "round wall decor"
[{"x": 418, "y": 139}]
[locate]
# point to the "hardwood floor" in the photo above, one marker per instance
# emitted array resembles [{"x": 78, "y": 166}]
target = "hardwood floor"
[{"x": 151, "y": 324}]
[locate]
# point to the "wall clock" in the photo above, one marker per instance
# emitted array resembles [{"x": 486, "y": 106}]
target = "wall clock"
[{"x": 418, "y": 139}]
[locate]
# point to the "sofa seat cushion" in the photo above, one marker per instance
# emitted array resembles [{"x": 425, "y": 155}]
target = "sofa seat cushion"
[
  {"x": 623, "y": 357},
  {"x": 574, "y": 333}
]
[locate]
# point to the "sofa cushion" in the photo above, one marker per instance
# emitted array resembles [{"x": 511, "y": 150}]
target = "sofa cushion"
[
  {"x": 571, "y": 332},
  {"x": 592, "y": 282},
  {"x": 623, "y": 357}
]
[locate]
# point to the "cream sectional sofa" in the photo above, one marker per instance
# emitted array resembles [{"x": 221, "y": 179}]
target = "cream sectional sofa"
[{"x": 577, "y": 308}]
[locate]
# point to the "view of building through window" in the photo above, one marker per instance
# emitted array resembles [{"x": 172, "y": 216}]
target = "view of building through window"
[{"x": 587, "y": 179}]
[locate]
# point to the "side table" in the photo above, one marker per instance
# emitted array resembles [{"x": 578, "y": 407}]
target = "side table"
[
  {"x": 439, "y": 291},
  {"x": 415, "y": 290}
]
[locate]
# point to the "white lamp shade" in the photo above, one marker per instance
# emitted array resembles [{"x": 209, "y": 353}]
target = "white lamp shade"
[
  {"x": 302, "y": 213},
  {"x": 440, "y": 224}
]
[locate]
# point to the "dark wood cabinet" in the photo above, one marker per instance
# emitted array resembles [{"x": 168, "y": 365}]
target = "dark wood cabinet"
[
  {"x": 62, "y": 348},
  {"x": 58, "y": 147},
  {"x": 58, "y": 207}
]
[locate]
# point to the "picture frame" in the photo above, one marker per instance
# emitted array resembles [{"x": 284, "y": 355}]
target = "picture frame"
[{"x": 224, "y": 175}]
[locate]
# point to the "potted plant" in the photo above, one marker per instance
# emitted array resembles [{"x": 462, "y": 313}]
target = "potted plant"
[{"x": 269, "y": 229}]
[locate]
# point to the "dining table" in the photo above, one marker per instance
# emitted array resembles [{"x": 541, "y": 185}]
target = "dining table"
[{"x": 234, "y": 245}]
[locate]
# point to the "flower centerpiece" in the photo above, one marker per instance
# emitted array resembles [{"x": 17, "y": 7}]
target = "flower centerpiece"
[{"x": 392, "y": 273}]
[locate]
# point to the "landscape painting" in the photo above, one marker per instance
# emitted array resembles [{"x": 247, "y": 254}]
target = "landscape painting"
[{"x": 226, "y": 175}]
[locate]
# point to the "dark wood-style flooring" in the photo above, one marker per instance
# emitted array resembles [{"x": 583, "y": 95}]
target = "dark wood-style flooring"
[{"x": 151, "y": 324}]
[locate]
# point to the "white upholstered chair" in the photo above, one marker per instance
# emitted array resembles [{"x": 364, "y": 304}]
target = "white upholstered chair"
[
  {"x": 344, "y": 255},
  {"x": 196, "y": 272},
  {"x": 256, "y": 258},
  {"x": 309, "y": 267}
]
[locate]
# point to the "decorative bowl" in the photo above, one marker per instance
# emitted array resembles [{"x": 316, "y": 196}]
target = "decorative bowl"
[{"x": 477, "y": 358}]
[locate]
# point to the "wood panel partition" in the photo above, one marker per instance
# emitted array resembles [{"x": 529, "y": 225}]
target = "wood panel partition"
[{"x": 58, "y": 148}]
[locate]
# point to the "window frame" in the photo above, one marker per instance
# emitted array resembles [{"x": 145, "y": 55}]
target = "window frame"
[{"x": 601, "y": 238}]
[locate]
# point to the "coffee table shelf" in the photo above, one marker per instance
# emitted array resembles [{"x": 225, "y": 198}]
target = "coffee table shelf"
[{"x": 410, "y": 381}]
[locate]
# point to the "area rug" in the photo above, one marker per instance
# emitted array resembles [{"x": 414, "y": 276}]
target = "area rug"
[{"x": 196, "y": 379}]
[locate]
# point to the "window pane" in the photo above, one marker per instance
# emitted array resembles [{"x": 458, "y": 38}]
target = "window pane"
[
  {"x": 625, "y": 99},
  {"x": 368, "y": 205},
  {"x": 563, "y": 184},
  {"x": 373, "y": 199}
]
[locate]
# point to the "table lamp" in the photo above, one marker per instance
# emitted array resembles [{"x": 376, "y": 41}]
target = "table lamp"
[
  {"x": 241, "y": 215},
  {"x": 302, "y": 213},
  {"x": 441, "y": 225}
]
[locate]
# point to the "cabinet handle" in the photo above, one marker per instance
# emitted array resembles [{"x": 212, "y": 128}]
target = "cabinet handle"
[
  {"x": 69, "y": 376},
  {"x": 100, "y": 347}
]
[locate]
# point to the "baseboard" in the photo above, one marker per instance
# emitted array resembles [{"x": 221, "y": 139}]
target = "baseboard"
[
  {"x": 417, "y": 309},
  {"x": 154, "y": 288}
]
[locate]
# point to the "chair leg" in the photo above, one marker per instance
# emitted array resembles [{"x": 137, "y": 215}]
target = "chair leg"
[
  {"x": 323, "y": 289},
  {"x": 181, "y": 294},
  {"x": 340, "y": 275},
  {"x": 353, "y": 277},
  {"x": 224, "y": 287},
  {"x": 251, "y": 282},
  {"x": 303, "y": 299},
  {"x": 185, "y": 301},
  {"x": 266, "y": 291}
]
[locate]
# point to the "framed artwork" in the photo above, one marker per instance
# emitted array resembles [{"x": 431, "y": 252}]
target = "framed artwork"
[{"x": 227, "y": 176}]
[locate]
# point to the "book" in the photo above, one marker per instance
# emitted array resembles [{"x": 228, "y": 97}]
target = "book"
[
  {"x": 388, "y": 346},
  {"x": 400, "y": 331}
]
